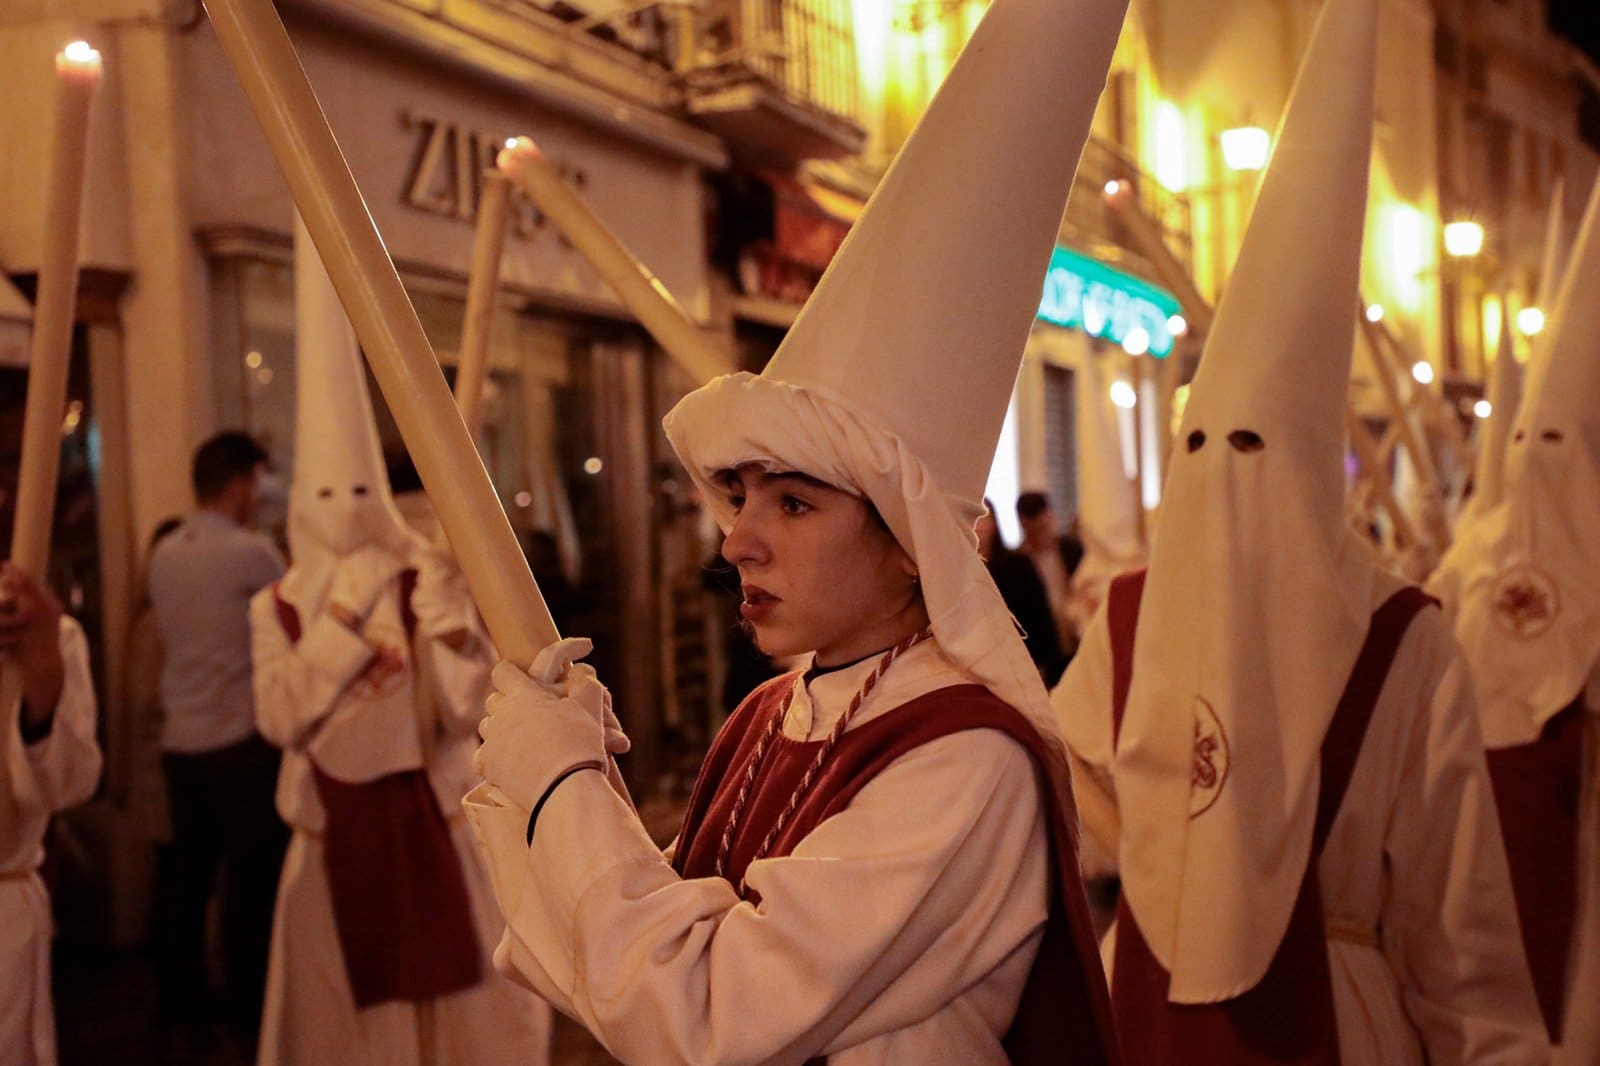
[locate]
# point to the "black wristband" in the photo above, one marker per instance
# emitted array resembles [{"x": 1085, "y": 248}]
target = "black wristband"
[{"x": 537, "y": 807}]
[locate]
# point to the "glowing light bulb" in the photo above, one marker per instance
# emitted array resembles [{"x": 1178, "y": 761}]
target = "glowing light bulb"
[
  {"x": 1530, "y": 320},
  {"x": 1246, "y": 147},
  {"x": 1123, "y": 396},
  {"x": 1463, "y": 239},
  {"x": 1483, "y": 408},
  {"x": 1177, "y": 325},
  {"x": 1374, "y": 312},
  {"x": 1137, "y": 342},
  {"x": 593, "y": 465},
  {"x": 1423, "y": 372}
]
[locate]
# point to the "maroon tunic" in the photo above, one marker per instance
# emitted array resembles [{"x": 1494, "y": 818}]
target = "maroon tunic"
[
  {"x": 1064, "y": 1010},
  {"x": 400, "y": 901},
  {"x": 1289, "y": 1016},
  {"x": 1537, "y": 788}
]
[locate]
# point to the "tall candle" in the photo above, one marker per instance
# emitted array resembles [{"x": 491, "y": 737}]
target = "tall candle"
[
  {"x": 643, "y": 293},
  {"x": 482, "y": 285},
  {"x": 385, "y": 322},
  {"x": 50, "y": 351}
]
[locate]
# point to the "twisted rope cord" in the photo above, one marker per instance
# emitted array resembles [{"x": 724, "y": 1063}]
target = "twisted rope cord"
[{"x": 813, "y": 770}]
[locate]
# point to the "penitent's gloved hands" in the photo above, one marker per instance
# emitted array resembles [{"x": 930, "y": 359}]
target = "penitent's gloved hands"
[
  {"x": 360, "y": 578},
  {"x": 542, "y": 724}
]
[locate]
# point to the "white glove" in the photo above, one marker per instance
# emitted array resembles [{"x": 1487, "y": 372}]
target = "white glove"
[
  {"x": 541, "y": 724},
  {"x": 360, "y": 578}
]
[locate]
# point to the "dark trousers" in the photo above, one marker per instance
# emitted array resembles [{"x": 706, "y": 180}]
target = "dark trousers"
[{"x": 224, "y": 828}]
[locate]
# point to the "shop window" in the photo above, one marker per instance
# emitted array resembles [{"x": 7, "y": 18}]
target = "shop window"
[{"x": 1061, "y": 440}]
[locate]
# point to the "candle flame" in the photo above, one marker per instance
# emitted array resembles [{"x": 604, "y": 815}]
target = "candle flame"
[{"x": 81, "y": 52}]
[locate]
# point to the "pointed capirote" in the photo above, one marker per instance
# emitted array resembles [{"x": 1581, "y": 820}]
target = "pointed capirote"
[
  {"x": 921, "y": 320},
  {"x": 895, "y": 377},
  {"x": 339, "y": 496},
  {"x": 1504, "y": 395},
  {"x": 1258, "y": 596},
  {"x": 1529, "y": 582}
]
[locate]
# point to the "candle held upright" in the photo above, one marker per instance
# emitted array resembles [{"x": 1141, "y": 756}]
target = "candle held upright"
[{"x": 78, "y": 72}]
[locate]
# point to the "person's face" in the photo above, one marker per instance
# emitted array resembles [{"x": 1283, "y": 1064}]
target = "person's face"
[
  {"x": 1041, "y": 528},
  {"x": 818, "y": 572}
]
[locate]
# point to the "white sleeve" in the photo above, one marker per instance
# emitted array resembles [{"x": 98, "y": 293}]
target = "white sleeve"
[
  {"x": 1450, "y": 924},
  {"x": 298, "y": 684},
  {"x": 66, "y": 761},
  {"x": 935, "y": 875}
]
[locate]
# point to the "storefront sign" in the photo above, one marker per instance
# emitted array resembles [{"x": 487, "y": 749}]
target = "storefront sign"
[
  {"x": 447, "y": 167},
  {"x": 1083, "y": 293}
]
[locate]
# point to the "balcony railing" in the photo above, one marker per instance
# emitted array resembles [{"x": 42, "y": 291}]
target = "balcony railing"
[
  {"x": 1089, "y": 216},
  {"x": 805, "y": 48}
]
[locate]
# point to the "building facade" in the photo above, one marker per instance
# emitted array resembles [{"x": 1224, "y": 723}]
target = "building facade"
[{"x": 730, "y": 144}]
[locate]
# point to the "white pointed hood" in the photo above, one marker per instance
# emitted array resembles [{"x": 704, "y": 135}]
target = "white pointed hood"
[
  {"x": 1504, "y": 394},
  {"x": 1258, "y": 597},
  {"x": 339, "y": 499},
  {"x": 1529, "y": 583},
  {"x": 893, "y": 382}
]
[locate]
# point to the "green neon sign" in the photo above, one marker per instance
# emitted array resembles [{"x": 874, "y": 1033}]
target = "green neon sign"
[{"x": 1083, "y": 293}]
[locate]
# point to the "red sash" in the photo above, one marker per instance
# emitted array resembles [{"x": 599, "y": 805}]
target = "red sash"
[
  {"x": 1289, "y": 1016},
  {"x": 1537, "y": 788},
  {"x": 1064, "y": 1007},
  {"x": 400, "y": 901}
]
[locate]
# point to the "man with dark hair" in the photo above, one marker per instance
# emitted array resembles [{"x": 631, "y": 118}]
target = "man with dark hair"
[
  {"x": 1053, "y": 556},
  {"x": 220, "y": 773},
  {"x": 1023, "y": 590}
]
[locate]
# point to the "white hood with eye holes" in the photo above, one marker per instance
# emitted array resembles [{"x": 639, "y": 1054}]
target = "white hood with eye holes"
[
  {"x": 1527, "y": 581},
  {"x": 339, "y": 499},
  {"x": 1258, "y": 597}
]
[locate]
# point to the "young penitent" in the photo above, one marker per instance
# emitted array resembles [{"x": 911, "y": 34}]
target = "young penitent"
[{"x": 878, "y": 862}]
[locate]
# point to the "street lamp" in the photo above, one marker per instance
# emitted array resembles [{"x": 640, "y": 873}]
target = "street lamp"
[
  {"x": 1530, "y": 320},
  {"x": 1246, "y": 147},
  {"x": 1463, "y": 239}
]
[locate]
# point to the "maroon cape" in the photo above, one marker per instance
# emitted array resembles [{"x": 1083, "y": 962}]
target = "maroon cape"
[{"x": 400, "y": 900}]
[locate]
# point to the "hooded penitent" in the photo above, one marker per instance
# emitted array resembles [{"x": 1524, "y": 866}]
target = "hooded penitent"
[
  {"x": 339, "y": 500},
  {"x": 1505, "y": 375},
  {"x": 1258, "y": 597},
  {"x": 893, "y": 382},
  {"x": 1528, "y": 599}
]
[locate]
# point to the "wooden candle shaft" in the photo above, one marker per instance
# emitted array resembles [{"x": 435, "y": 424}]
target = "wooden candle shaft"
[
  {"x": 50, "y": 351},
  {"x": 482, "y": 285},
  {"x": 631, "y": 280},
  {"x": 402, "y": 360},
  {"x": 1372, "y": 468}
]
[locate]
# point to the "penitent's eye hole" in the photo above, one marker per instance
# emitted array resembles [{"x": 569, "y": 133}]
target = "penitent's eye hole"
[
  {"x": 1246, "y": 440},
  {"x": 359, "y": 490},
  {"x": 324, "y": 493},
  {"x": 1517, "y": 437},
  {"x": 1552, "y": 435},
  {"x": 1196, "y": 439}
]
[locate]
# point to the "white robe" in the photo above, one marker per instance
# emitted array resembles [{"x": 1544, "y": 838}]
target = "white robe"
[
  {"x": 901, "y": 930},
  {"x": 310, "y": 1016},
  {"x": 65, "y": 767},
  {"x": 1423, "y": 941}
]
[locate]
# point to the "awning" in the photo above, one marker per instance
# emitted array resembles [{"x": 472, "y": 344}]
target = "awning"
[{"x": 810, "y": 221}]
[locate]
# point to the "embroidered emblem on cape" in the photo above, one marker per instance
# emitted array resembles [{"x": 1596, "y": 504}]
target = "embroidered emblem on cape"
[
  {"x": 1209, "y": 771},
  {"x": 386, "y": 672},
  {"x": 1525, "y": 602}
]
